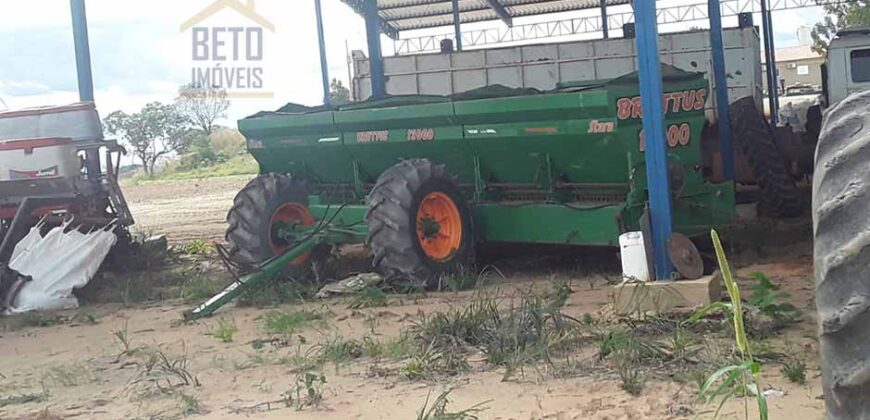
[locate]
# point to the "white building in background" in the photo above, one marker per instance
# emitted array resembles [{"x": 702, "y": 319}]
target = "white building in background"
[{"x": 798, "y": 65}]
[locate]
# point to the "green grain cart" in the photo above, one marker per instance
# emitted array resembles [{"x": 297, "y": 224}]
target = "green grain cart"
[{"x": 422, "y": 179}]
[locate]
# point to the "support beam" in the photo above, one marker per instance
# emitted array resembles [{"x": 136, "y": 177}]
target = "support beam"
[
  {"x": 604, "y": 28},
  {"x": 360, "y": 5},
  {"x": 376, "y": 60},
  {"x": 83, "y": 50},
  {"x": 321, "y": 42},
  {"x": 457, "y": 25},
  {"x": 658, "y": 183},
  {"x": 502, "y": 13},
  {"x": 775, "y": 109},
  {"x": 85, "y": 78},
  {"x": 770, "y": 65},
  {"x": 723, "y": 122}
]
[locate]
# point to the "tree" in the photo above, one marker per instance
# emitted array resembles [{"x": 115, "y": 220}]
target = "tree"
[
  {"x": 203, "y": 105},
  {"x": 157, "y": 130},
  {"x": 839, "y": 15},
  {"x": 340, "y": 94}
]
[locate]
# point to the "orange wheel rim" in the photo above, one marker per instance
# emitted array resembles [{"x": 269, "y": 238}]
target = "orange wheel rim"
[
  {"x": 288, "y": 213},
  {"x": 439, "y": 226}
]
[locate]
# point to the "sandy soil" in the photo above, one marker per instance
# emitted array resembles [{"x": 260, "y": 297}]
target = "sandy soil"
[
  {"x": 237, "y": 381},
  {"x": 184, "y": 210},
  {"x": 78, "y": 368}
]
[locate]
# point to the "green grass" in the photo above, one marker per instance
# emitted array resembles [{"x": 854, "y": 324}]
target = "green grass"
[
  {"x": 276, "y": 293},
  {"x": 243, "y": 164},
  {"x": 286, "y": 323},
  {"x": 632, "y": 380},
  {"x": 30, "y": 319},
  {"x": 369, "y": 297},
  {"x": 795, "y": 370},
  {"x": 24, "y": 399},
  {"x": 529, "y": 330},
  {"x": 188, "y": 404},
  {"x": 395, "y": 348},
  {"x": 132, "y": 288},
  {"x": 70, "y": 375},
  {"x": 123, "y": 342},
  {"x": 84, "y": 318},
  {"x": 438, "y": 409},
  {"x": 463, "y": 280},
  {"x": 338, "y": 351},
  {"x": 173, "y": 370},
  {"x": 433, "y": 362},
  {"x": 224, "y": 330},
  {"x": 197, "y": 289},
  {"x": 195, "y": 247}
]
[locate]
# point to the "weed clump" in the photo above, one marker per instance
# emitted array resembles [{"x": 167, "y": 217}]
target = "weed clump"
[
  {"x": 369, "y": 297},
  {"x": 197, "y": 289},
  {"x": 224, "y": 330},
  {"x": 795, "y": 370},
  {"x": 188, "y": 404},
  {"x": 275, "y": 293},
  {"x": 307, "y": 392},
  {"x": 24, "y": 399},
  {"x": 531, "y": 330},
  {"x": 70, "y": 376},
  {"x": 286, "y": 323},
  {"x": 438, "y": 409},
  {"x": 195, "y": 247}
]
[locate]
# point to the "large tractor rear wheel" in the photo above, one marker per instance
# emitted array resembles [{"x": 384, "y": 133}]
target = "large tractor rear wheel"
[
  {"x": 419, "y": 225},
  {"x": 259, "y": 211},
  {"x": 779, "y": 194},
  {"x": 841, "y": 223}
]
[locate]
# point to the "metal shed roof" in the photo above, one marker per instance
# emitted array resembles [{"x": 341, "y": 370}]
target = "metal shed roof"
[{"x": 402, "y": 15}]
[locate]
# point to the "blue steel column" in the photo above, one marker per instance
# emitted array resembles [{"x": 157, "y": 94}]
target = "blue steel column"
[
  {"x": 321, "y": 42},
  {"x": 376, "y": 60},
  {"x": 719, "y": 76},
  {"x": 457, "y": 25},
  {"x": 772, "y": 83},
  {"x": 773, "y": 61},
  {"x": 83, "y": 51},
  {"x": 604, "y": 28},
  {"x": 650, "y": 73}
]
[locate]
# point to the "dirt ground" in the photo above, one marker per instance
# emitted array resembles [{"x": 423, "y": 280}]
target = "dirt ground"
[
  {"x": 82, "y": 368},
  {"x": 184, "y": 210}
]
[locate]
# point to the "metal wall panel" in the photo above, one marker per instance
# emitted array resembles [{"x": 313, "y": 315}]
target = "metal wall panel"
[{"x": 543, "y": 66}]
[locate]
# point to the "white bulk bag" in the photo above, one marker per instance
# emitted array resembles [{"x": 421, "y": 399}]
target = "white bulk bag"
[{"x": 58, "y": 263}]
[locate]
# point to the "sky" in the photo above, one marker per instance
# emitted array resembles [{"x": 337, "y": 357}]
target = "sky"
[{"x": 140, "y": 54}]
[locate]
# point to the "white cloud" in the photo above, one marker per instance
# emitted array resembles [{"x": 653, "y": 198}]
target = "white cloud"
[{"x": 22, "y": 87}]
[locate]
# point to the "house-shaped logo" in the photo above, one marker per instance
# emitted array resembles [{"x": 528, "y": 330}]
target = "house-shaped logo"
[
  {"x": 228, "y": 57},
  {"x": 246, "y": 10}
]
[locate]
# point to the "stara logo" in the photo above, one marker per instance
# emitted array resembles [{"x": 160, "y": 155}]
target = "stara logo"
[{"x": 229, "y": 58}]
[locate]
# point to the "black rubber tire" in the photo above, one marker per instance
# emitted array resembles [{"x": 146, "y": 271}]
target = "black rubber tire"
[
  {"x": 779, "y": 194},
  {"x": 249, "y": 229},
  {"x": 841, "y": 204},
  {"x": 392, "y": 222}
]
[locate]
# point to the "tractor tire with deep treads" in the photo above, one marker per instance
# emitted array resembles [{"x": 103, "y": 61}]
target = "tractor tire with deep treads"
[
  {"x": 841, "y": 204},
  {"x": 398, "y": 214},
  {"x": 779, "y": 194},
  {"x": 251, "y": 220}
]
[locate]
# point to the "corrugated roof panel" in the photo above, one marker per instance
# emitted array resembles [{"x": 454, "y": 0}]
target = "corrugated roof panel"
[
  {"x": 444, "y": 20},
  {"x": 434, "y": 9},
  {"x": 421, "y": 14}
]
